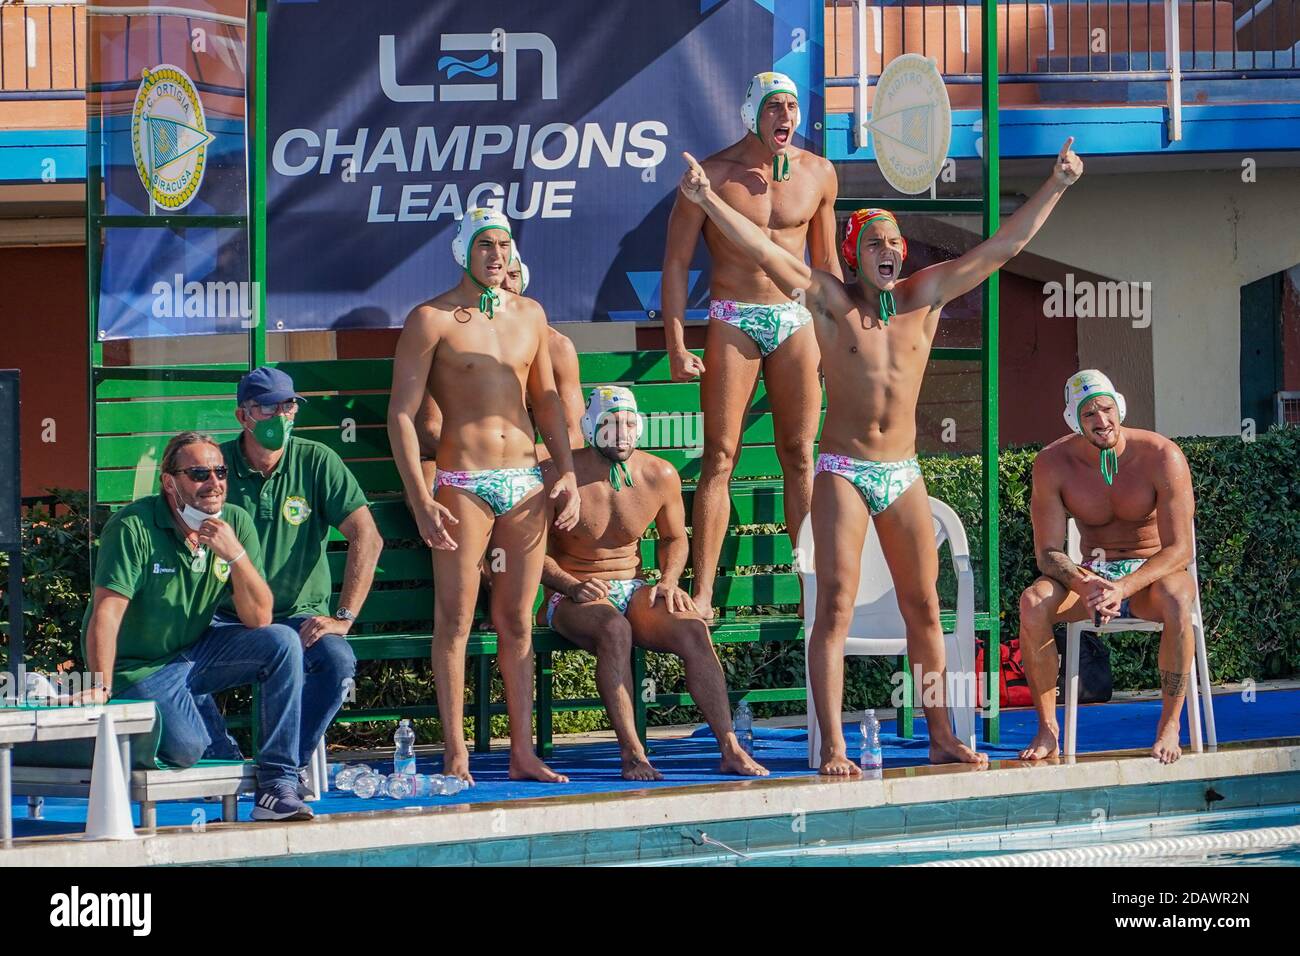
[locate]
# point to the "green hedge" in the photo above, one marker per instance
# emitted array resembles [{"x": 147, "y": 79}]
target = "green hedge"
[
  {"x": 1248, "y": 527},
  {"x": 56, "y": 581}
]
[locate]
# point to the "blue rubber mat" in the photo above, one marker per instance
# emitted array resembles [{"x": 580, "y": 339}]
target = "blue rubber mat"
[{"x": 692, "y": 760}]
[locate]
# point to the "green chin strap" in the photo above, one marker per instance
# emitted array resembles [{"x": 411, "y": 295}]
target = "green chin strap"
[
  {"x": 885, "y": 300},
  {"x": 888, "y": 309},
  {"x": 1109, "y": 465},
  {"x": 1109, "y": 460},
  {"x": 617, "y": 469},
  {"x": 488, "y": 300},
  {"x": 780, "y": 161}
]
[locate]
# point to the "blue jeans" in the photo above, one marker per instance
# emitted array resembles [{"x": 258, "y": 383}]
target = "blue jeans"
[
  {"x": 231, "y": 655},
  {"x": 328, "y": 668}
]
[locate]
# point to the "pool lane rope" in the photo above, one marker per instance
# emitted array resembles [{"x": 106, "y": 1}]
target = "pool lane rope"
[{"x": 1264, "y": 837}]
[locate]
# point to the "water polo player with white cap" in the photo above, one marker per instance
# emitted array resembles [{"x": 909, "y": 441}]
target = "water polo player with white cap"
[
  {"x": 753, "y": 326},
  {"x": 1130, "y": 493},
  {"x": 481, "y": 353},
  {"x": 598, "y": 593}
]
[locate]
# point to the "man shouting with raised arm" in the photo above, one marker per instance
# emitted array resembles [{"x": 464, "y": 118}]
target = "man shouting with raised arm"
[
  {"x": 789, "y": 194},
  {"x": 875, "y": 336}
]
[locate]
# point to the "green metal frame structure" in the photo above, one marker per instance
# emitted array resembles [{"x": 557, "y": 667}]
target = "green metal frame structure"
[
  {"x": 986, "y": 355},
  {"x": 256, "y": 225}
]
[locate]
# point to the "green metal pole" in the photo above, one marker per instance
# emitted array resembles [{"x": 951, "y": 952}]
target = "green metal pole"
[
  {"x": 95, "y": 351},
  {"x": 989, "y": 367},
  {"x": 545, "y": 667},
  {"x": 257, "y": 189}
]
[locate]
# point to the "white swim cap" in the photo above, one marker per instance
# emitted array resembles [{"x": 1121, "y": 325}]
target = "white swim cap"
[
  {"x": 760, "y": 88},
  {"x": 476, "y": 220},
  {"x": 1083, "y": 387},
  {"x": 604, "y": 400}
]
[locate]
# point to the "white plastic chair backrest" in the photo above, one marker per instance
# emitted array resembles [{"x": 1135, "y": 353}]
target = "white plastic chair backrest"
[
  {"x": 1072, "y": 545},
  {"x": 875, "y": 608}
]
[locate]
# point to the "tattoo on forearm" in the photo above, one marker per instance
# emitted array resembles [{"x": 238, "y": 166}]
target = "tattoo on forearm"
[
  {"x": 1173, "y": 685},
  {"x": 1058, "y": 566}
]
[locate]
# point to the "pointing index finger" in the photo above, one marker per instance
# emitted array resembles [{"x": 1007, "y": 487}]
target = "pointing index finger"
[{"x": 1065, "y": 150}]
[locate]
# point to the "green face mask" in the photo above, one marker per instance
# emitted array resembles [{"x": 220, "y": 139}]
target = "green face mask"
[{"x": 273, "y": 434}]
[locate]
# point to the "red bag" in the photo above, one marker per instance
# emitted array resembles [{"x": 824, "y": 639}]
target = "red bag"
[{"x": 1013, "y": 686}]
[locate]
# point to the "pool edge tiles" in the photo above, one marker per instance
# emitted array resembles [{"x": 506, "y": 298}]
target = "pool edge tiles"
[{"x": 752, "y": 800}]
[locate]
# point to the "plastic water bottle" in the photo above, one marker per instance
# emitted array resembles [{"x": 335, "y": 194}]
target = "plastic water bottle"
[
  {"x": 370, "y": 784},
  {"x": 451, "y": 786},
  {"x": 404, "y": 754},
  {"x": 402, "y": 785},
  {"x": 743, "y": 722},
  {"x": 871, "y": 757},
  {"x": 347, "y": 777},
  {"x": 332, "y": 771}
]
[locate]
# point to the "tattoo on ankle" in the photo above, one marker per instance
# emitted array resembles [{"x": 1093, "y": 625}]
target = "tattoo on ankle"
[{"x": 1173, "y": 685}]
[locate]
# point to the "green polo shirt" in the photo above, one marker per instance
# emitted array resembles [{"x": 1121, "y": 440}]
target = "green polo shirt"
[
  {"x": 143, "y": 557},
  {"x": 293, "y": 509}
]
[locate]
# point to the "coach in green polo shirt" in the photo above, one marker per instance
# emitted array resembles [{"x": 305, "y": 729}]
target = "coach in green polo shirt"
[
  {"x": 164, "y": 564},
  {"x": 296, "y": 490}
]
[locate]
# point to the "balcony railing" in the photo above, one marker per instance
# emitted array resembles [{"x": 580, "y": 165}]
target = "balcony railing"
[
  {"x": 1063, "y": 41},
  {"x": 42, "y": 51},
  {"x": 1070, "y": 40}
]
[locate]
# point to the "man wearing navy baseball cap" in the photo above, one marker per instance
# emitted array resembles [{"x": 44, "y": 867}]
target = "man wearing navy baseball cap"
[{"x": 296, "y": 490}]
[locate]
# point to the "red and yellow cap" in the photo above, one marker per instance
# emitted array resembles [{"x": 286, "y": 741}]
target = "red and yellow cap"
[{"x": 858, "y": 223}]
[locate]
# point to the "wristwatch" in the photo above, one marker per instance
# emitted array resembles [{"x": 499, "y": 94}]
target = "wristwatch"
[{"x": 343, "y": 614}]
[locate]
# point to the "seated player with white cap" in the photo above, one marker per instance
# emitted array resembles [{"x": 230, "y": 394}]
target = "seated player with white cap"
[
  {"x": 480, "y": 350},
  {"x": 1130, "y": 494},
  {"x": 597, "y": 597}
]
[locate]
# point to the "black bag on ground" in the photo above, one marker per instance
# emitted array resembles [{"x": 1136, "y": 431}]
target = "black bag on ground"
[{"x": 1095, "y": 682}]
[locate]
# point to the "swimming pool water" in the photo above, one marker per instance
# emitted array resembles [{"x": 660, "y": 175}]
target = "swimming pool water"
[
  {"x": 1063, "y": 845},
  {"x": 1252, "y": 819}
]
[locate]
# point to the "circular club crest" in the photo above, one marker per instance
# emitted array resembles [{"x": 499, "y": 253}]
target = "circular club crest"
[
  {"x": 911, "y": 123},
  {"x": 295, "y": 510},
  {"x": 169, "y": 136}
]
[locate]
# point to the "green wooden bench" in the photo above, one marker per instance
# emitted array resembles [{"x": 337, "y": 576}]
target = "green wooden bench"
[{"x": 136, "y": 410}]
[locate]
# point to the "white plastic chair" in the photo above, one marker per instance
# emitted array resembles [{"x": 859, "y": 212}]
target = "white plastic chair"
[
  {"x": 877, "y": 628},
  {"x": 1198, "y": 685}
]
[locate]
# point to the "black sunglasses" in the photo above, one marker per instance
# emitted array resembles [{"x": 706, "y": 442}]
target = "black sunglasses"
[{"x": 199, "y": 473}]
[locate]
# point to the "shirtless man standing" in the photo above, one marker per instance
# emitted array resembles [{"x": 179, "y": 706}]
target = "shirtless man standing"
[
  {"x": 479, "y": 350},
  {"x": 875, "y": 337},
  {"x": 753, "y": 324},
  {"x": 597, "y": 598},
  {"x": 564, "y": 365},
  {"x": 1130, "y": 493}
]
